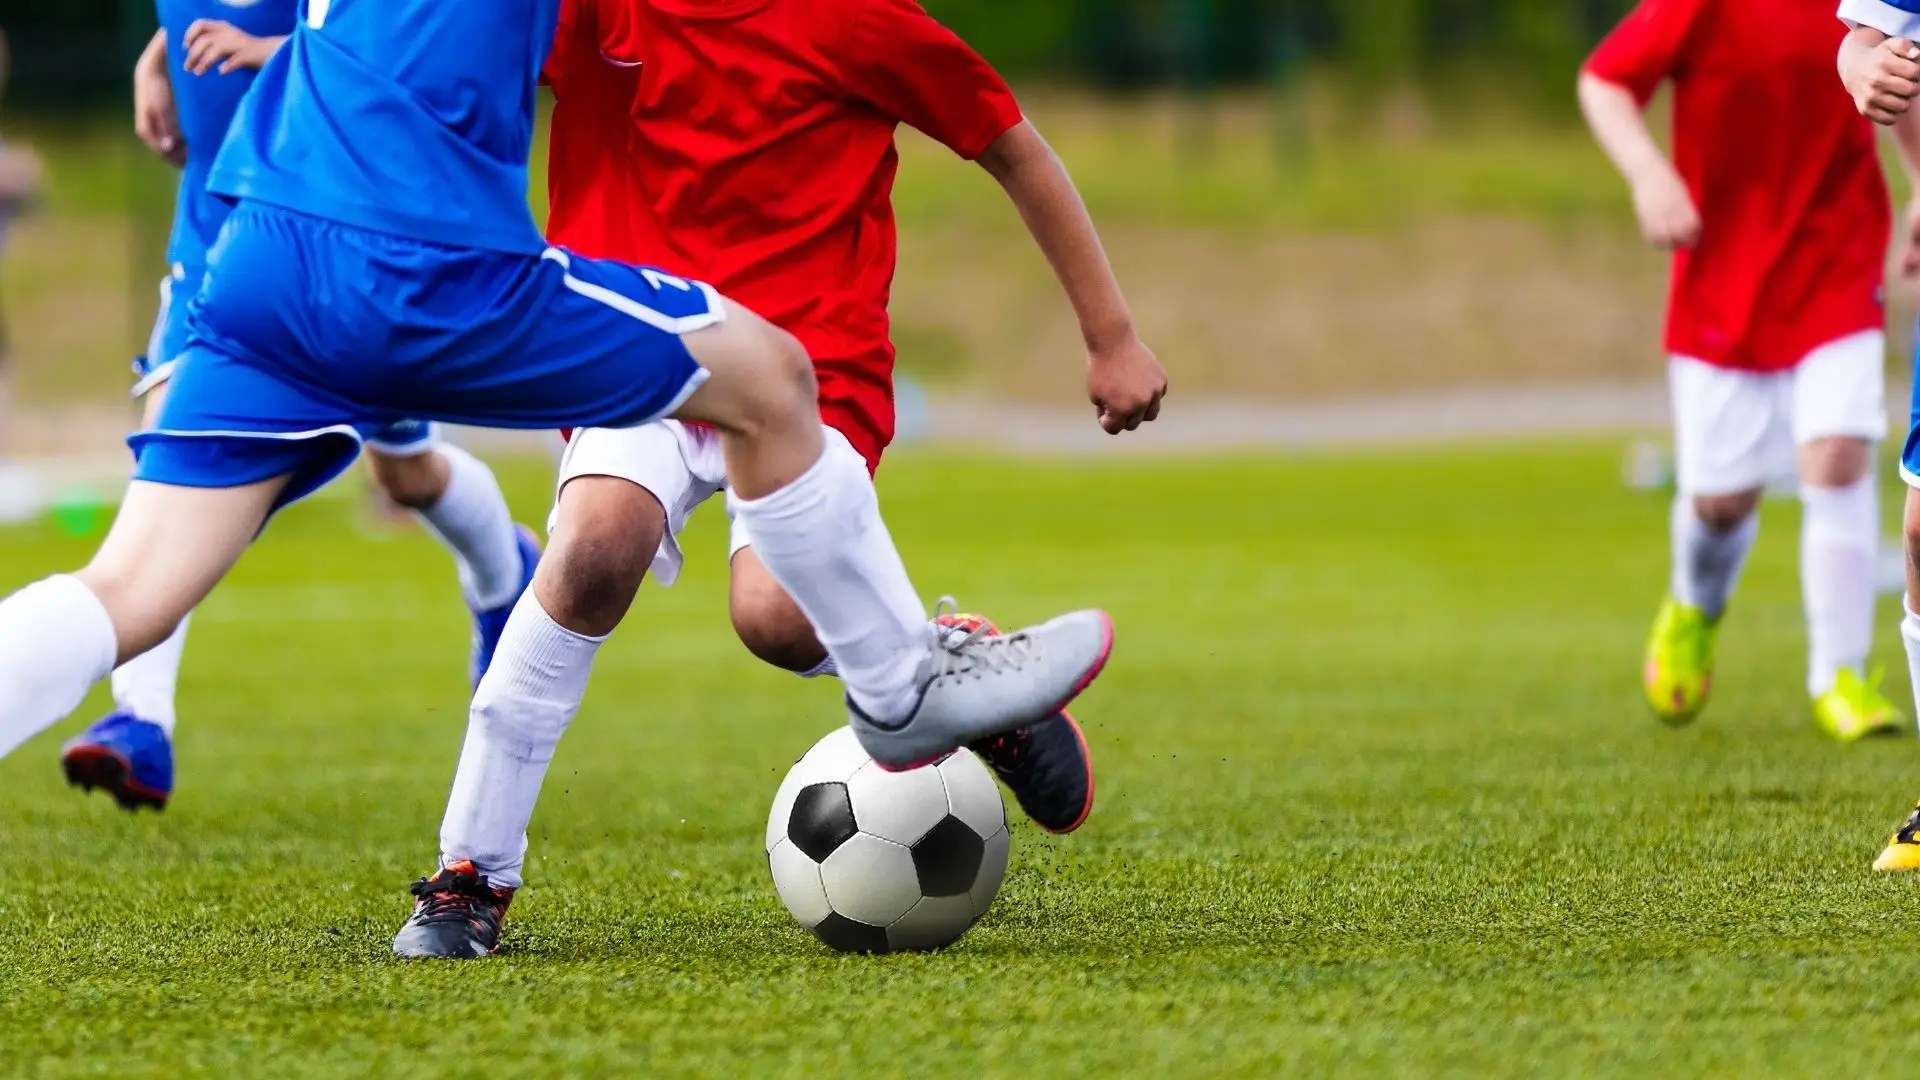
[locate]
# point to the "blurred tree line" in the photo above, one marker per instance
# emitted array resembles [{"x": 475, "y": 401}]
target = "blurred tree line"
[{"x": 77, "y": 52}]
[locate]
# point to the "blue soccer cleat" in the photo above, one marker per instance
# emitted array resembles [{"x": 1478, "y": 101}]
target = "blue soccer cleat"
[
  {"x": 131, "y": 758},
  {"x": 489, "y": 625}
]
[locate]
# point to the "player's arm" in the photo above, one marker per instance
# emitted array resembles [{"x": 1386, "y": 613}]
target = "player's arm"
[
  {"x": 1668, "y": 218},
  {"x": 215, "y": 45},
  {"x": 155, "y": 118},
  {"x": 1124, "y": 379}
]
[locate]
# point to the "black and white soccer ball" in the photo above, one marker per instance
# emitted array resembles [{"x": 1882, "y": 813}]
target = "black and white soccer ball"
[{"x": 874, "y": 861}]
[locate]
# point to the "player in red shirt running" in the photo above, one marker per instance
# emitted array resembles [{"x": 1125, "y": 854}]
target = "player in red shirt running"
[
  {"x": 750, "y": 143},
  {"x": 1878, "y": 67},
  {"x": 1777, "y": 214}
]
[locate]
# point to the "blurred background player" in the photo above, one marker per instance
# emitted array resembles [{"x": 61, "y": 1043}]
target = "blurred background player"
[
  {"x": 1878, "y": 65},
  {"x": 186, "y": 86},
  {"x": 690, "y": 137},
  {"x": 1777, "y": 213},
  {"x": 20, "y": 178}
]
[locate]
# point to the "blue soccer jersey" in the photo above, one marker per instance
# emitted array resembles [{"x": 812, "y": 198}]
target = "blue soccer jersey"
[
  {"x": 413, "y": 119},
  {"x": 1899, "y": 18},
  {"x": 206, "y": 105}
]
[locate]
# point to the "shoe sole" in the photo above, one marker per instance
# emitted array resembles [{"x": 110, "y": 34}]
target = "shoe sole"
[{"x": 89, "y": 767}]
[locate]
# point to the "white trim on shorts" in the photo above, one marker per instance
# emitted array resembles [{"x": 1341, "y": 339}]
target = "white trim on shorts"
[
  {"x": 1880, "y": 16},
  {"x": 275, "y": 436},
  {"x": 678, "y": 326}
]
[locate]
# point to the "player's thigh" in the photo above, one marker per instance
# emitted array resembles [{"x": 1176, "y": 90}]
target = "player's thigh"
[
  {"x": 1732, "y": 429},
  {"x": 168, "y": 547},
  {"x": 1840, "y": 408},
  {"x": 759, "y": 376},
  {"x": 662, "y": 472}
]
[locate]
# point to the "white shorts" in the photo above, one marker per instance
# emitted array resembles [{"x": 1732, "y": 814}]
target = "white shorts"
[
  {"x": 680, "y": 464},
  {"x": 1737, "y": 431}
]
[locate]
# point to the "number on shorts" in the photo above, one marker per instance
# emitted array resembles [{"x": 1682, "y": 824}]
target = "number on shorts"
[
  {"x": 660, "y": 281},
  {"x": 317, "y": 13}
]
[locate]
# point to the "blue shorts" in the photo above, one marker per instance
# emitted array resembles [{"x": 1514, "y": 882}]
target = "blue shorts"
[
  {"x": 307, "y": 337},
  {"x": 169, "y": 340}
]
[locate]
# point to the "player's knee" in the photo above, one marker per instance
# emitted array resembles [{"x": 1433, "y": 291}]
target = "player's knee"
[
  {"x": 605, "y": 539},
  {"x": 1835, "y": 463},
  {"x": 772, "y": 626},
  {"x": 1722, "y": 513},
  {"x": 415, "y": 481}
]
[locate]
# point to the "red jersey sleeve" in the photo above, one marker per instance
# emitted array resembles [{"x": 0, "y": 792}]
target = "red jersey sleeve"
[
  {"x": 1650, "y": 45},
  {"x": 900, "y": 60}
]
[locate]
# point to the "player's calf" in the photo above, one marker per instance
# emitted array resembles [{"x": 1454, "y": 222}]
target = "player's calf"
[{"x": 769, "y": 623}]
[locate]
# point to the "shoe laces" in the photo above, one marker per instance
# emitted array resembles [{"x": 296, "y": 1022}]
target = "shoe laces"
[
  {"x": 977, "y": 652},
  {"x": 449, "y": 897}
]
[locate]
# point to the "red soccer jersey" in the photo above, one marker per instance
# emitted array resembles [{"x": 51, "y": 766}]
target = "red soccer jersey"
[
  {"x": 1794, "y": 210},
  {"x": 749, "y": 143}
]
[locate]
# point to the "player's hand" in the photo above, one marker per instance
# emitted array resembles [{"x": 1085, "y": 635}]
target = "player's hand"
[
  {"x": 212, "y": 43},
  {"x": 1884, "y": 80},
  {"x": 1668, "y": 218},
  {"x": 1125, "y": 383},
  {"x": 155, "y": 118}
]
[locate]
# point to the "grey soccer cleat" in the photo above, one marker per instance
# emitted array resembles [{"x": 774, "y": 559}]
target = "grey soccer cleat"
[{"x": 978, "y": 685}]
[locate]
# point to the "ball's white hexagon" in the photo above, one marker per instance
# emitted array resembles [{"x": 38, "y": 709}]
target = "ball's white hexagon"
[
  {"x": 797, "y": 879},
  {"x": 993, "y": 871},
  {"x": 836, "y": 757},
  {"x": 934, "y": 922},
  {"x": 898, "y": 806},
  {"x": 973, "y": 793},
  {"x": 871, "y": 880}
]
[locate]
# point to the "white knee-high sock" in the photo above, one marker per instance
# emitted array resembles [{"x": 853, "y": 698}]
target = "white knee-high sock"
[
  {"x": 1706, "y": 563},
  {"x": 144, "y": 685},
  {"x": 822, "y": 539},
  {"x": 1839, "y": 563},
  {"x": 56, "y": 641},
  {"x": 523, "y": 706},
  {"x": 1910, "y": 637},
  {"x": 472, "y": 519}
]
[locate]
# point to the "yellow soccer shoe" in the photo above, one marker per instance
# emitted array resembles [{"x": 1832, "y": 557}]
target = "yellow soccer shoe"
[
  {"x": 1903, "y": 851},
  {"x": 1679, "y": 668},
  {"x": 1855, "y": 708}
]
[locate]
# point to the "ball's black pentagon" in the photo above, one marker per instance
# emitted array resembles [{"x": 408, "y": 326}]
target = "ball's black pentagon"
[
  {"x": 844, "y": 934},
  {"x": 948, "y": 858},
  {"x": 822, "y": 820}
]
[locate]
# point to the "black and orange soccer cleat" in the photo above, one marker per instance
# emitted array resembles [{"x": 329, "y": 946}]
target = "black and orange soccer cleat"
[
  {"x": 1046, "y": 765},
  {"x": 456, "y": 916}
]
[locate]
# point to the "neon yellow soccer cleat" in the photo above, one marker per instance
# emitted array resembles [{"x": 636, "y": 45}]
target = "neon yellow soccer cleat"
[
  {"x": 1679, "y": 669},
  {"x": 1903, "y": 851},
  {"x": 1855, "y": 708}
]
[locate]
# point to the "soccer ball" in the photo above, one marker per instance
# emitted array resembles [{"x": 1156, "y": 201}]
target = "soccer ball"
[{"x": 874, "y": 861}]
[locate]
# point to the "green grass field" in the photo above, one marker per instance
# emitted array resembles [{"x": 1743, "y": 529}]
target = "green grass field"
[{"x": 1378, "y": 795}]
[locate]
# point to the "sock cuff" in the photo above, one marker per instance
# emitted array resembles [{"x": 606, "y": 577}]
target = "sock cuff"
[
  {"x": 823, "y": 480},
  {"x": 1813, "y": 494},
  {"x": 821, "y": 670},
  {"x": 70, "y": 593}
]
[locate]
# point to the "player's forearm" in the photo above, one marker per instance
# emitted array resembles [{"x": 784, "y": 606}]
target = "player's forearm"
[
  {"x": 153, "y": 58},
  {"x": 1620, "y": 127},
  {"x": 1042, "y": 191},
  {"x": 1906, "y": 142}
]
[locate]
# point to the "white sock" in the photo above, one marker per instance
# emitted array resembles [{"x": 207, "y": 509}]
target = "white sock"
[
  {"x": 56, "y": 641},
  {"x": 822, "y": 539},
  {"x": 521, "y": 709},
  {"x": 1839, "y": 570},
  {"x": 144, "y": 685},
  {"x": 1910, "y": 637},
  {"x": 1707, "y": 564},
  {"x": 472, "y": 519}
]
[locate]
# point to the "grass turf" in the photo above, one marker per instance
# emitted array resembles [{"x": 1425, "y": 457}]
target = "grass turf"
[{"x": 1377, "y": 795}]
